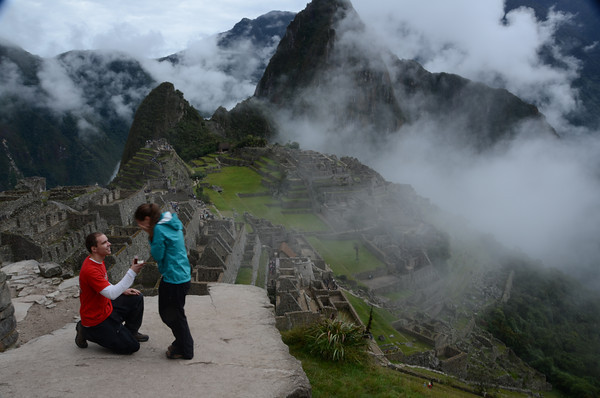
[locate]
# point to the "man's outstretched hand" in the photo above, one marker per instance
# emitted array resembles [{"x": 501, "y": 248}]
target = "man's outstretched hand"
[{"x": 137, "y": 265}]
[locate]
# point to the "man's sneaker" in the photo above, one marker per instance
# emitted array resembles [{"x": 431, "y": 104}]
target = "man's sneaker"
[
  {"x": 79, "y": 339},
  {"x": 141, "y": 337}
]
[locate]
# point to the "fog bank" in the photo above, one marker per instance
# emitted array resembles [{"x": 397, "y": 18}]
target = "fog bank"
[{"x": 538, "y": 195}]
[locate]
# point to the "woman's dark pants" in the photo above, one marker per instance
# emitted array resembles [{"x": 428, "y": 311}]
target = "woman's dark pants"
[{"x": 171, "y": 300}]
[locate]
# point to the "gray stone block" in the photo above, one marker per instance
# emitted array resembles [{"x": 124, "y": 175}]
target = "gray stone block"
[{"x": 50, "y": 270}]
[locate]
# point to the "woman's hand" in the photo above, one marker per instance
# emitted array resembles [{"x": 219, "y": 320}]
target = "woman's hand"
[
  {"x": 146, "y": 226},
  {"x": 132, "y": 292}
]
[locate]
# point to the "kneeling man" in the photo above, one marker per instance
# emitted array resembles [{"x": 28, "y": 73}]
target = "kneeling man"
[{"x": 111, "y": 315}]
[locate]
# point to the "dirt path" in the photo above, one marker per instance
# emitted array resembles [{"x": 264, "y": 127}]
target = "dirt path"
[{"x": 41, "y": 320}]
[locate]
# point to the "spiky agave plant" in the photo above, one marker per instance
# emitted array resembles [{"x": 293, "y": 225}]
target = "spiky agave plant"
[{"x": 337, "y": 340}]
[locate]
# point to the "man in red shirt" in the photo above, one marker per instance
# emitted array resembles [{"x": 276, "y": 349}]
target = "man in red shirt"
[{"x": 111, "y": 315}]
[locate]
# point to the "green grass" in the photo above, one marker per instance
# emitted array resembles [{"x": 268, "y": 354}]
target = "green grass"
[
  {"x": 341, "y": 256},
  {"x": 236, "y": 180},
  {"x": 244, "y": 276},
  {"x": 362, "y": 380},
  {"x": 268, "y": 161},
  {"x": 382, "y": 326},
  {"x": 262, "y": 269},
  {"x": 263, "y": 166},
  {"x": 393, "y": 296},
  {"x": 329, "y": 379}
]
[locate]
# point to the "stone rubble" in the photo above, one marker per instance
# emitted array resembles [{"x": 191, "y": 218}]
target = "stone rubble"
[{"x": 28, "y": 286}]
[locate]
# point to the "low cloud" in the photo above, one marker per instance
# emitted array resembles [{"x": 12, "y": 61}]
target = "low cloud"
[
  {"x": 210, "y": 76},
  {"x": 79, "y": 84},
  {"x": 481, "y": 42},
  {"x": 63, "y": 95},
  {"x": 541, "y": 196},
  {"x": 12, "y": 85},
  {"x": 537, "y": 195},
  {"x": 128, "y": 39}
]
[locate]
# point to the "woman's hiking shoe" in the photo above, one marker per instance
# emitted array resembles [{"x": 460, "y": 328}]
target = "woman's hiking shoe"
[
  {"x": 79, "y": 339},
  {"x": 173, "y": 355}
]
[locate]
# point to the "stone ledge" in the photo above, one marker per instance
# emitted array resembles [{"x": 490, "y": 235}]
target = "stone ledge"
[{"x": 238, "y": 353}]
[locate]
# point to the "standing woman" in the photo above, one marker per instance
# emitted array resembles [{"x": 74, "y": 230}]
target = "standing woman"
[{"x": 167, "y": 247}]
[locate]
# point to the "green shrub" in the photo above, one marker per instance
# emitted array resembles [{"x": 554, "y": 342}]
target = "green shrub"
[
  {"x": 198, "y": 174},
  {"x": 337, "y": 340}
]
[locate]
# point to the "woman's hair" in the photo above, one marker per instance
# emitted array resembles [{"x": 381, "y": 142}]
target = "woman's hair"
[{"x": 148, "y": 210}]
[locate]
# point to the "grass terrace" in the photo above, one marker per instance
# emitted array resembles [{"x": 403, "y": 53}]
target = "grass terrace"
[
  {"x": 341, "y": 256},
  {"x": 236, "y": 180},
  {"x": 382, "y": 326},
  {"x": 244, "y": 276}
]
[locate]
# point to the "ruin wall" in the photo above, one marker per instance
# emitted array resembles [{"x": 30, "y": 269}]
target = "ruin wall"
[
  {"x": 291, "y": 320},
  {"x": 233, "y": 261},
  {"x": 117, "y": 211},
  {"x": 138, "y": 246},
  {"x": 8, "y": 322}
]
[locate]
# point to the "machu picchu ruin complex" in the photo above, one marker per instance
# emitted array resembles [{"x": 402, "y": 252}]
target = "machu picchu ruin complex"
[{"x": 387, "y": 223}]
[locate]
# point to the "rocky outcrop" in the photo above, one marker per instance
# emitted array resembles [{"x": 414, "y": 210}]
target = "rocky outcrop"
[
  {"x": 238, "y": 353},
  {"x": 486, "y": 115}
]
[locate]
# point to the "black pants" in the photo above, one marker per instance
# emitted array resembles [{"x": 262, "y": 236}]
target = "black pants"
[
  {"x": 117, "y": 331},
  {"x": 171, "y": 300}
]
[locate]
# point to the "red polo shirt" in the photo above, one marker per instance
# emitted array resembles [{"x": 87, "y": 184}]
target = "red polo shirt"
[{"x": 93, "y": 278}]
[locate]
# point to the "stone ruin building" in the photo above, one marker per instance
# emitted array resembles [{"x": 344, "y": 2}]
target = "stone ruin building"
[
  {"x": 299, "y": 283},
  {"x": 50, "y": 226}
]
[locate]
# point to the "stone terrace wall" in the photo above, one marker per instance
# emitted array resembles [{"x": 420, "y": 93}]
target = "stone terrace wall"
[
  {"x": 136, "y": 245},
  {"x": 236, "y": 256},
  {"x": 61, "y": 241},
  {"x": 72, "y": 242},
  {"x": 136, "y": 242},
  {"x": 118, "y": 211},
  {"x": 8, "y": 322}
]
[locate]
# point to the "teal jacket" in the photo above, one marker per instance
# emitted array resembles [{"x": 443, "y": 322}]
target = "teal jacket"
[{"x": 168, "y": 249}]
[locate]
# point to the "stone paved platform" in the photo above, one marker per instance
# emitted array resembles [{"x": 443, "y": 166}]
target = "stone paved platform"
[{"x": 238, "y": 353}]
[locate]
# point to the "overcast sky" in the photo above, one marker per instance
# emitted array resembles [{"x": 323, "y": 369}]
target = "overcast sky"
[
  {"x": 153, "y": 28},
  {"x": 467, "y": 37}
]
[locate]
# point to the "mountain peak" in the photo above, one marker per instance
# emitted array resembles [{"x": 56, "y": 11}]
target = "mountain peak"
[
  {"x": 166, "y": 114},
  {"x": 304, "y": 48},
  {"x": 312, "y": 63},
  {"x": 259, "y": 31}
]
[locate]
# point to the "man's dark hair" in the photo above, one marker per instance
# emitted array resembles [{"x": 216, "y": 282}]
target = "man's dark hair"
[{"x": 92, "y": 240}]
